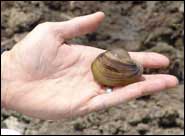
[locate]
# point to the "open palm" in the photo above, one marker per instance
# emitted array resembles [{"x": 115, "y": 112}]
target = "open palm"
[{"x": 51, "y": 79}]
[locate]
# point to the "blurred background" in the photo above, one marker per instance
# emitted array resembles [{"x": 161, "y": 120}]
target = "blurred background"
[{"x": 136, "y": 26}]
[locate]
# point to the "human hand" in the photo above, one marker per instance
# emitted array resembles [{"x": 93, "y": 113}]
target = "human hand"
[{"x": 46, "y": 78}]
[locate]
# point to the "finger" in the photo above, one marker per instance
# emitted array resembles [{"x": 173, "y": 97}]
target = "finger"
[
  {"x": 154, "y": 76},
  {"x": 154, "y": 83},
  {"x": 146, "y": 59},
  {"x": 80, "y": 25},
  {"x": 150, "y": 59}
]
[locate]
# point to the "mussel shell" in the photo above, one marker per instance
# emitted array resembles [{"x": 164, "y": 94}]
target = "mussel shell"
[{"x": 116, "y": 68}]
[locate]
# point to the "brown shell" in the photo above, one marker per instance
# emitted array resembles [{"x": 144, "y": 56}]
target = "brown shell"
[{"x": 115, "y": 68}]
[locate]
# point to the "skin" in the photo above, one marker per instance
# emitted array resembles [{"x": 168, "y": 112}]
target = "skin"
[{"x": 46, "y": 78}]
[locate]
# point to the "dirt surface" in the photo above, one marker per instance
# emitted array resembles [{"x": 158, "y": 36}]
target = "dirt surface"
[{"x": 136, "y": 26}]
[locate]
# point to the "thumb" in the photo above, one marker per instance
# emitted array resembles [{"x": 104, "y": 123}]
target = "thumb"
[{"x": 80, "y": 25}]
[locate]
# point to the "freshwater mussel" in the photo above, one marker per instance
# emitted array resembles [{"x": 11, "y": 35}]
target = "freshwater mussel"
[{"x": 115, "y": 67}]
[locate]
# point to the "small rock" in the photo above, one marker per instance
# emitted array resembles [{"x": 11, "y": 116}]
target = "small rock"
[
  {"x": 79, "y": 126},
  {"x": 14, "y": 124},
  {"x": 54, "y": 5},
  {"x": 135, "y": 120},
  {"x": 180, "y": 123},
  {"x": 9, "y": 132},
  {"x": 91, "y": 132},
  {"x": 124, "y": 127},
  {"x": 169, "y": 118},
  {"x": 146, "y": 119},
  {"x": 109, "y": 128},
  {"x": 142, "y": 129},
  {"x": 21, "y": 22},
  {"x": 181, "y": 8},
  {"x": 132, "y": 132},
  {"x": 4, "y": 114},
  {"x": 181, "y": 114}
]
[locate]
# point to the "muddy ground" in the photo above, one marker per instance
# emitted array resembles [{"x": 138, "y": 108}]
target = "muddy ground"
[{"x": 136, "y": 26}]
